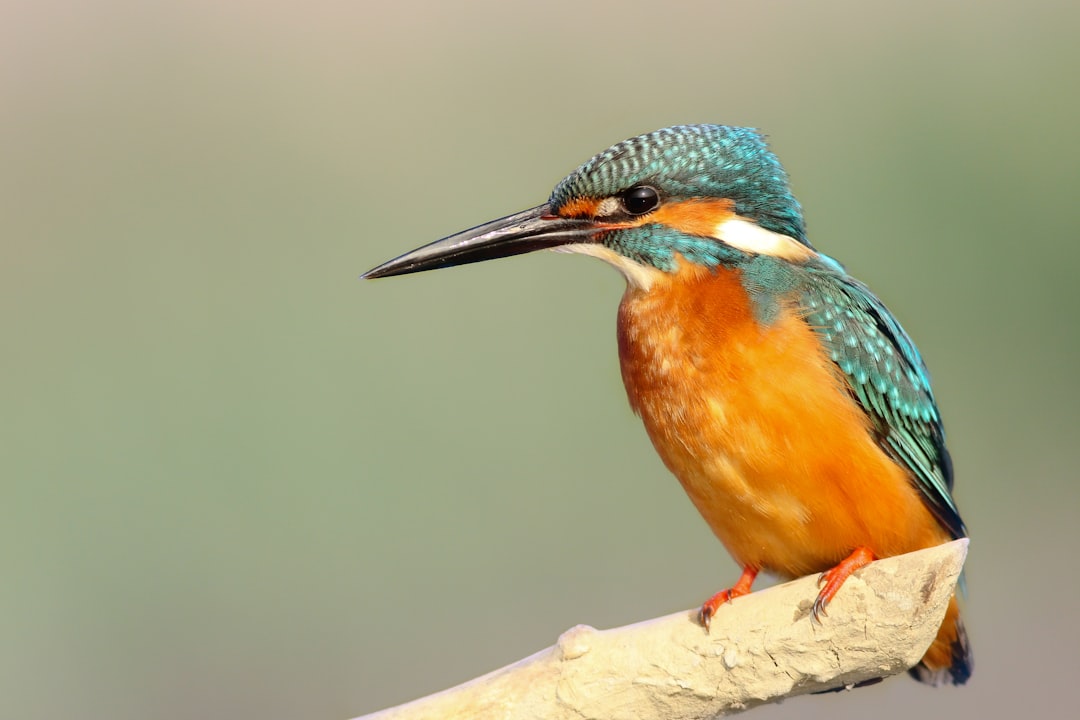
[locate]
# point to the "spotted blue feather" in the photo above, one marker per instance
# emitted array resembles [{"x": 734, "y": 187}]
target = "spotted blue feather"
[{"x": 887, "y": 376}]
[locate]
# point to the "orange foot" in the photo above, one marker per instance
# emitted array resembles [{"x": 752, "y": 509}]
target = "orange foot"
[
  {"x": 834, "y": 578},
  {"x": 742, "y": 587}
]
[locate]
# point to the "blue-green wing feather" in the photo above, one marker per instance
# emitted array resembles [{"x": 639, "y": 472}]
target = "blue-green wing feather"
[{"x": 887, "y": 377}]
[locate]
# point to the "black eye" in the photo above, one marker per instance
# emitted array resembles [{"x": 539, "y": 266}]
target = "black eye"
[{"x": 640, "y": 200}]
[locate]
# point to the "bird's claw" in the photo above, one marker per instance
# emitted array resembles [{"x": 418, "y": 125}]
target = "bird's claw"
[
  {"x": 742, "y": 587},
  {"x": 818, "y": 611},
  {"x": 833, "y": 578},
  {"x": 710, "y": 606}
]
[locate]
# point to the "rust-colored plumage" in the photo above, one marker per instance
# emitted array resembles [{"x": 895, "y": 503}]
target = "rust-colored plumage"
[{"x": 755, "y": 422}]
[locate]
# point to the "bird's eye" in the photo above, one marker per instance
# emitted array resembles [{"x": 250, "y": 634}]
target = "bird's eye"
[{"x": 640, "y": 199}]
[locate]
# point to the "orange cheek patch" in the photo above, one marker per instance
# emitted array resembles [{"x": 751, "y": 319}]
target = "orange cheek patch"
[
  {"x": 579, "y": 207},
  {"x": 693, "y": 217}
]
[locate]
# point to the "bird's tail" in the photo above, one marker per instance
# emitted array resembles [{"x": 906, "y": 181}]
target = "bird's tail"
[{"x": 948, "y": 659}]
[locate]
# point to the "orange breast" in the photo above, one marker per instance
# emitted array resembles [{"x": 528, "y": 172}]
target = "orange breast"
[{"x": 755, "y": 422}]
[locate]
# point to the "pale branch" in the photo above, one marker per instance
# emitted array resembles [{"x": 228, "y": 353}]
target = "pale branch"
[{"x": 762, "y": 647}]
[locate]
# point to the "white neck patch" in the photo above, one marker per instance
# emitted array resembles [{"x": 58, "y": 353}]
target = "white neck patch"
[{"x": 750, "y": 237}]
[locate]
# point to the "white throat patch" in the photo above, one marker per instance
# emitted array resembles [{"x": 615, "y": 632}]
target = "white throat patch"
[{"x": 638, "y": 276}]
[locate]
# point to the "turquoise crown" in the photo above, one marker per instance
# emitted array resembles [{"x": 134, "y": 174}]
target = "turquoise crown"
[{"x": 686, "y": 161}]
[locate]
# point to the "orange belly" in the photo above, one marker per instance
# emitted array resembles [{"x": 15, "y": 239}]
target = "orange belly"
[{"x": 756, "y": 423}]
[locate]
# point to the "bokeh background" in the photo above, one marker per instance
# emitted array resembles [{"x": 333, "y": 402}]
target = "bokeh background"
[{"x": 239, "y": 483}]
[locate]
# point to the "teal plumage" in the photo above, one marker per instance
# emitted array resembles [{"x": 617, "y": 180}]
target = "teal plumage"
[
  {"x": 887, "y": 376},
  {"x": 659, "y": 246}
]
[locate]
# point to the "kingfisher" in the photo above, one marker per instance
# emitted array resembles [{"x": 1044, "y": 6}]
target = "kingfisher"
[{"x": 788, "y": 401}]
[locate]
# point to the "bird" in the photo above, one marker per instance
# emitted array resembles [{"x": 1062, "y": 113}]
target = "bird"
[{"x": 790, "y": 404}]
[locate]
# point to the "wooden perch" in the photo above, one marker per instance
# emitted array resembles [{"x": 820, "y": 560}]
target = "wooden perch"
[{"x": 763, "y": 647}]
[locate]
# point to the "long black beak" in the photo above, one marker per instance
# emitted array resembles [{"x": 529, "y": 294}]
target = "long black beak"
[{"x": 523, "y": 232}]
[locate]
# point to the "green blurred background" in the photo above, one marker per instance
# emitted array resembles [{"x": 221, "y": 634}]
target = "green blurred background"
[{"x": 238, "y": 483}]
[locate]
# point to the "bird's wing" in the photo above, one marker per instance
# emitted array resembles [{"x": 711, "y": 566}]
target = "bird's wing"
[{"x": 887, "y": 377}]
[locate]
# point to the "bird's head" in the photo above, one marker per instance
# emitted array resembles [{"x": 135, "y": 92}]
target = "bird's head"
[{"x": 708, "y": 194}]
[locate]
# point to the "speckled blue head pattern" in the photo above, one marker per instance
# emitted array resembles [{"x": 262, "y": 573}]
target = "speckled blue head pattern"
[{"x": 688, "y": 161}]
